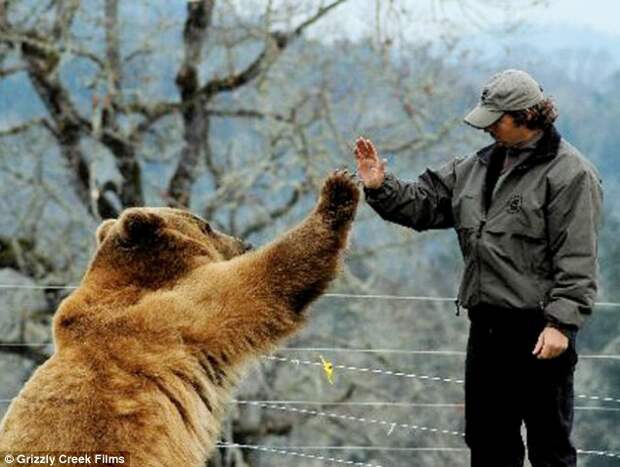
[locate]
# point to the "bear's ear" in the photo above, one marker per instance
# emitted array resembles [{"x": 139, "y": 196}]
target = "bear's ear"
[
  {"x": 103, "y": 230},
  {"x": 139, "y": 226}
]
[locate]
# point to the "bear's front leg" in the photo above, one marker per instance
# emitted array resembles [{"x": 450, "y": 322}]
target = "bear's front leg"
[
  {"x": 297, "y": 267},
  {"x": 268, "y": 289}
]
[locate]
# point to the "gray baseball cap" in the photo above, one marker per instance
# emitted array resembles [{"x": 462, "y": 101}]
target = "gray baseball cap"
[{"x": 505, "y": 91}]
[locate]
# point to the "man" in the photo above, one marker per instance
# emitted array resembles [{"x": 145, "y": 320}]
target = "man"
[{"x": 527, "y": 212}]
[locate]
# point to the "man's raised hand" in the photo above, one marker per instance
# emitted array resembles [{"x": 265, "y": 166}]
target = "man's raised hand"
[{"x": 370, "y": 169}]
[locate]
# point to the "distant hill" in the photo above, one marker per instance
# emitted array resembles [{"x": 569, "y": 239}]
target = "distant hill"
[{"x": 580, "y": 52}]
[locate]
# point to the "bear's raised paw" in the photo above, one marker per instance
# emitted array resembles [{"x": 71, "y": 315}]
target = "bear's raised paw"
[{"x": 339, "y": 196}]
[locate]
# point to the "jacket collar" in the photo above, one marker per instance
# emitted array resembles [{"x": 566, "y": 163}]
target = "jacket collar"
[{"x": 546, "y": 149}]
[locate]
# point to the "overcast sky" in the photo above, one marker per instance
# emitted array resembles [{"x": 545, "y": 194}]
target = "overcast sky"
[
  {"x": 602, "y": 15},
  {"x": 358, "y": 17}
]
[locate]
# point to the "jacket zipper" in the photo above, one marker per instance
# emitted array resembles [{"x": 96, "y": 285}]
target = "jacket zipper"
[{"x": 483, "y": 221}]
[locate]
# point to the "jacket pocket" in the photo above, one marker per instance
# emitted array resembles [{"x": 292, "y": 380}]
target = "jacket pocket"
[
  {"x": 520, "y": 257},
  {"x": 522, "y": 251}
]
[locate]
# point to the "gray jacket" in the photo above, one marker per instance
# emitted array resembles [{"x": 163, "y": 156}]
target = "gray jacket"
[{"x": 535, "y": 246}]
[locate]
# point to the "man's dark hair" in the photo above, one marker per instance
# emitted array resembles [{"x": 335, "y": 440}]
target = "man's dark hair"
[{"x": 537, "y": 117}]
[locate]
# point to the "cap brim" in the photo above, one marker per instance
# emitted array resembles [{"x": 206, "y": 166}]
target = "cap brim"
[{"x": 481, "y": 117}]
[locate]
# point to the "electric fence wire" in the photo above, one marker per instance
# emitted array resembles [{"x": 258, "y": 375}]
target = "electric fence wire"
[{"x": 280, "y": 405}]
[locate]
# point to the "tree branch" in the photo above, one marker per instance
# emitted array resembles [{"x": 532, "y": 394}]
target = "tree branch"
[
  {"x": 67, "y": 127},
  {"x": 248, "y": 113},
  {"x": 421, "y": 142},
  {"x": 25, "y": 126},
  {"x": 4, "y": 23},
  {"x": 65, "y": 13},
  {"x": 266, "y": 57},
  {"x": 42, "y": 62},
  {"x": 30, "y": 39},
  {"x": 131, "y": 192},
  {"x": 113, "y": 53},
  {"x": 20, "y": 254},
  {"x": 317, "y": 16},
  {"x": 275, "y": 214},
  {"x": 195, "y": 119},
  {"x": 33, "y": 354},
  {"x": 11, "y": 70},
  {"x": 153, "y": 113}
]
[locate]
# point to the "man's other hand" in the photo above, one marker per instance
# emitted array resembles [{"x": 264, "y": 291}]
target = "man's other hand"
[
  {"x": 551, "y": 343},
  {"x": 370, "y": 169}
]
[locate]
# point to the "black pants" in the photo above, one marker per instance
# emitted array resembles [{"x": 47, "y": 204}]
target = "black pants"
[{"x": 505, "y": 386}]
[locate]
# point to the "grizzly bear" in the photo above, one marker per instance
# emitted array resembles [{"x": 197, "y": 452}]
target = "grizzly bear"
[{"x": 151, "y": 343}]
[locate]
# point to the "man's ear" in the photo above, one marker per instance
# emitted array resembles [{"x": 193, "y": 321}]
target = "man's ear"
[
  {"x": 103, "y": 230},
  {"x": 139, "y": 226}
]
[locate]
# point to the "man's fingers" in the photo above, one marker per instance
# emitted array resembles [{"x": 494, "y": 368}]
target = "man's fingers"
[
  {"x": 362, "y": 146},
  {"x": 359, "y": 150},
  {"x": 362, "y": 154},
  {"x": 553, "y": 351},
  {"x": 546, "y": 352},
  {"x": 372, "y": 151},
  {"x": 366, "y": 148},
  {"x": 539, "y": 345},
  {"x": 550, "y": 350}
]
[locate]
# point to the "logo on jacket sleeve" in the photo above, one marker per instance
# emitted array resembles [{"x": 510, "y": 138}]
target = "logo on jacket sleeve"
[{"x": 514, "y": 204}]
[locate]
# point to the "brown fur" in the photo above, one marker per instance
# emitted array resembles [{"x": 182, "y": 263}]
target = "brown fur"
[{"x": 150, "y": 345}]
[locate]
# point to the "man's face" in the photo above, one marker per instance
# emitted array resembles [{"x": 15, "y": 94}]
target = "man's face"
[{"x": 504, "y": 131}]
